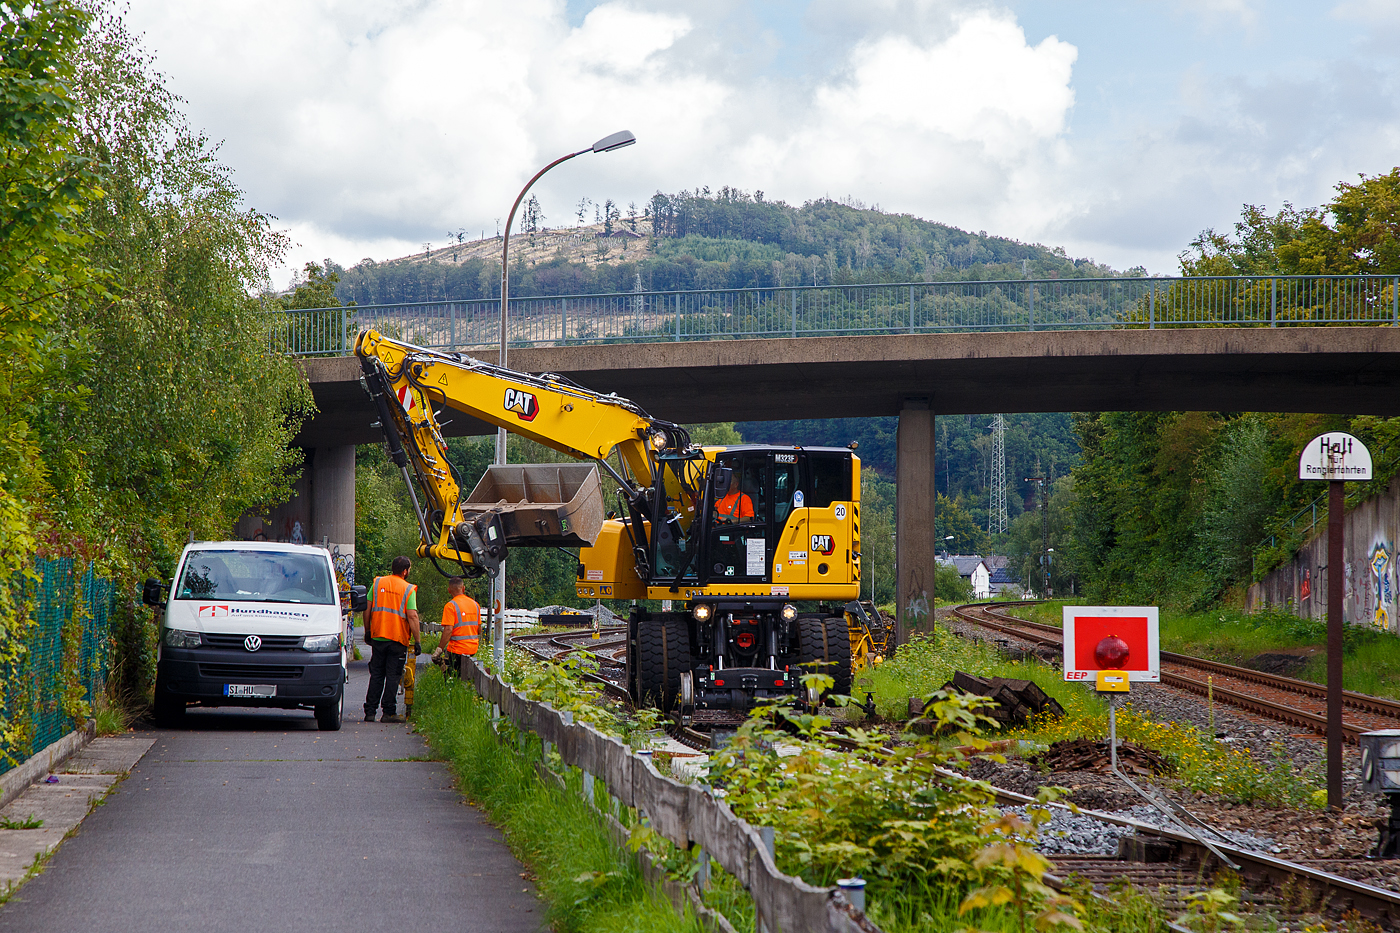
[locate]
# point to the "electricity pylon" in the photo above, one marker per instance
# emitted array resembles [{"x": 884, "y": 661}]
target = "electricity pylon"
[{"x": 996, "y": 512}]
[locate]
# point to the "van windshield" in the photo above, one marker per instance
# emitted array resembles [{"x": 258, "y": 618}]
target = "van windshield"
[{"x": 257, "y": 576}]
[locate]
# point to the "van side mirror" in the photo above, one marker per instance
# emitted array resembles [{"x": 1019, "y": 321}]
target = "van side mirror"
[
  {"x": 721, "y": 478},
  {"x": 358, "y": 598},
  {"x": 151, "y": 593}
]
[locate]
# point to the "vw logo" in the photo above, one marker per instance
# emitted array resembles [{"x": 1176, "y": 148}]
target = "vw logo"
[{"x": 252, "y": 643}]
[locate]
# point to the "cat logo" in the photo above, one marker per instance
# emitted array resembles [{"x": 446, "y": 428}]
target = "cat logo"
[
  {"x": 823, "y": 544},
  {"x": 523, "y": 404}
]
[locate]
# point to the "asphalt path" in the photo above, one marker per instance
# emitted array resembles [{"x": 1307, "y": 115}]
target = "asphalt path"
[{"x": 246, "y": 822}]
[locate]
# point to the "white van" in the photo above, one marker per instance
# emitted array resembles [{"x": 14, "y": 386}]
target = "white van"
[{"x": 251, "y": 623}]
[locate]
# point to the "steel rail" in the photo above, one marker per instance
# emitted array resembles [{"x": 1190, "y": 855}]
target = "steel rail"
[
  {"x": 1049, "y": 635},
  {"x": 551, "y": 641},
  {"x": 1363, "y": 702},
  {"x": 1373, "y": 902}
]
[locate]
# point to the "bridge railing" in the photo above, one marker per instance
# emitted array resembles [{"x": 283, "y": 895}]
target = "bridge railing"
[{"x": 811, "y": 311}]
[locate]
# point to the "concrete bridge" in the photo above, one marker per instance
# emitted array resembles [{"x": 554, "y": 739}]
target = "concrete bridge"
[{"x": 1344, "y": 370}]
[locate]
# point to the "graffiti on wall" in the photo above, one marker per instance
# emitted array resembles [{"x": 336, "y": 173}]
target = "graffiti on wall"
[
  {"x": 344, "y": 561},
  {"x": 1381, "y": 565}
]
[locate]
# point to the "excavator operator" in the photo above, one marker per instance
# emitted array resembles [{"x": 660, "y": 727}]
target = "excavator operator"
[{"x": 734, "y": 506}]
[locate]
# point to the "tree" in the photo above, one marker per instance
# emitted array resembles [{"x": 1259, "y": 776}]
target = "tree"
[
  {"x": 1358, "y": 231},
  {"x": 190, "y": 421},
  {"x": 1025, "y": 542},
  {"x": 316, "y": 289},
  {"x": 45, "y": 184}
]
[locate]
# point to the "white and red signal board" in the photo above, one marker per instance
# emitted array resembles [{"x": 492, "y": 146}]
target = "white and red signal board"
[{"x": 1122, "y": 638}]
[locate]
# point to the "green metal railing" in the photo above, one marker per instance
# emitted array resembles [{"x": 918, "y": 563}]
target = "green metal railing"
[
  {"x": 63, "y": 667},
  {"x": 811, "y": 311}
]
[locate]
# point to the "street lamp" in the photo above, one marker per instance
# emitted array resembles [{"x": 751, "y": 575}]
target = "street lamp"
[{"x": 617, "y": 140}]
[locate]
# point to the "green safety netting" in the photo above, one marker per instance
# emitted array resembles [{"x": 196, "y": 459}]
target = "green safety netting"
[{"x": 70, "y": 609}]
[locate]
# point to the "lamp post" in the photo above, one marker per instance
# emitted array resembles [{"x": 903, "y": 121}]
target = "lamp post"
[{"x": 617, "y": 140}]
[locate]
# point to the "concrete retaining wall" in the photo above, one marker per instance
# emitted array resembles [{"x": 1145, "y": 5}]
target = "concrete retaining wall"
[{"x": 1370, "y": 532}]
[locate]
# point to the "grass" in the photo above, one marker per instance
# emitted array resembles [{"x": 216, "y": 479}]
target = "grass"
[
  {"x": 113, "y": 717},
  {"x": 588, "y": 884},
  {"x": 29, "y": 822},
  {"x": 1371, "y": 661},
  {"x": 1200, "y": 762}
]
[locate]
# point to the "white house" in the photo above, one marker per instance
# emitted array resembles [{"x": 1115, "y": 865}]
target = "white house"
[{"x": 975, "y": 571}]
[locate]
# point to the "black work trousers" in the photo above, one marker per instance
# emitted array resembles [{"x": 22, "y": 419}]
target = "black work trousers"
[{"x": 385, "y": 668}]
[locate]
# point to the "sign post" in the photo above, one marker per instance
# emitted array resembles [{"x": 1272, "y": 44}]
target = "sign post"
[{"x": 1335, "y": 458}]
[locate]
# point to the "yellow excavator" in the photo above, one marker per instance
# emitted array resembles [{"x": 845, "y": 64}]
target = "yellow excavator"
[{"x": 756, "y": 547}]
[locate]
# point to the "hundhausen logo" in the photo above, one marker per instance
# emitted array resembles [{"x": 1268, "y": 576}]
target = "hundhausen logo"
[
  {"x": 212, "y": 612},
  {"x": 523, "y": 404},
  {"x": 823, "y": 544}
]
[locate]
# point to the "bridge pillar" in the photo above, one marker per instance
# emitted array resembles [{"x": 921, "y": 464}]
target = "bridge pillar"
[
  {"x": 322, "y": 506},
  {"x": 915, "y": 561},
  {"x": 333, "y": 505}
]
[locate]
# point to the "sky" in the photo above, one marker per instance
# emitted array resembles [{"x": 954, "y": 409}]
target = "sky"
[{"x": 1117, "y": 130}]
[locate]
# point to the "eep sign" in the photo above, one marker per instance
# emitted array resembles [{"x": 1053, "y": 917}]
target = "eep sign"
[{"x": 1123, "y": 638}]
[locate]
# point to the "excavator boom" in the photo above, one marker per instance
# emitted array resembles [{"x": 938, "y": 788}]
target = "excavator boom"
[{"x": 409, "y": 385}]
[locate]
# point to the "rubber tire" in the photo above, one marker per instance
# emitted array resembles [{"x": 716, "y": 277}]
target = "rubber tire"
[
  {"x": 663, "y": 653},
  {"x": 168, "y": 710},
  {"x": 329, "y": 715},
  {"x": 826, "y": 639}
]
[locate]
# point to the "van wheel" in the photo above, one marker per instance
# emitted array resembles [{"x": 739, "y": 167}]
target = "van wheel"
[
  {"x": 328, "y": 715},
  {"x": 169, "y": 710}
]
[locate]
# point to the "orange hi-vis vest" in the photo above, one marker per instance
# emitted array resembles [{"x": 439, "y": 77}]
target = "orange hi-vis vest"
[
  {"x": 461, "y": 625},
  {"x": 388, "y": 613},
  {"x": 735, "y": 506}
]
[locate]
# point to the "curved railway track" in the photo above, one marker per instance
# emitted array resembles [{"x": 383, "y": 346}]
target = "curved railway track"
[
  {"x": 607, "y": 645},
  {"x": 1237, "y": 686}
]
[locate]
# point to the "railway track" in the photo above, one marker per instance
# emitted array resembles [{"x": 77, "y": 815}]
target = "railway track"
[
  {"x": 607, "y": 645},
  {"x": 1270, "y": 882},
  {"x": 1285, "y": 699}
]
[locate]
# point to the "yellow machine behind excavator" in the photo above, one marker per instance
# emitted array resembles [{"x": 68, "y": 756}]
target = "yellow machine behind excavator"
[{"x": 757, "y": 547}]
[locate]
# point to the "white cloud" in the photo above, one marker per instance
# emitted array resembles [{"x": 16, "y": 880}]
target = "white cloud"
[
  {"x": 365, "y": 126},
  {"x": 371, "y": 126}
]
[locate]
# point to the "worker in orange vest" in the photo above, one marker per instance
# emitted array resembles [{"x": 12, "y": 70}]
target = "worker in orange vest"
[
  {"x": 391, "y": 623},
  {"x": 735, "y": 506},
  {"x": 461, "y": 625}
]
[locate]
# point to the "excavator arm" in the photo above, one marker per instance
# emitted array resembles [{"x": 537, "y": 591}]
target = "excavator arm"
[{"x": 407, "y": 382}]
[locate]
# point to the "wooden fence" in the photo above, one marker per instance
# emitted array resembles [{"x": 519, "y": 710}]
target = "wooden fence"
[{"x": 686, "y": 814}]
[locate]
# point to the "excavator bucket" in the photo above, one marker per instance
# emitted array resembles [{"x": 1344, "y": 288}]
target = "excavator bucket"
[{"x": 542, "y": 504}]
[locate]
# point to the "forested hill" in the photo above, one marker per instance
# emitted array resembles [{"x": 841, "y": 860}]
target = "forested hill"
[{"x": 689, "y": 240}]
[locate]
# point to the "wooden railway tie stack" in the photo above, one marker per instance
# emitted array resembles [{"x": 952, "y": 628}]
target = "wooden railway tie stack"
[{"x": 1016, "y": 700}]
